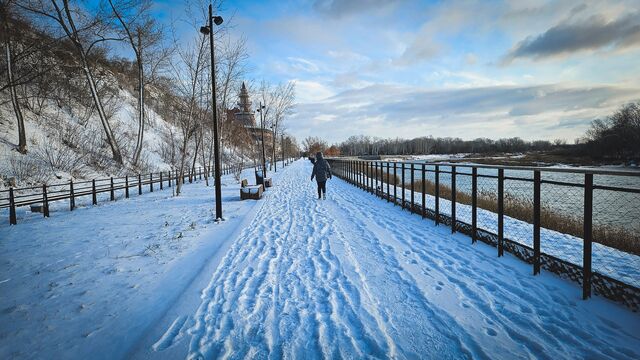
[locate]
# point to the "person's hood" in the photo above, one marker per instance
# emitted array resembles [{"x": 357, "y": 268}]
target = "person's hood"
[{"x": 319, "y": 156}]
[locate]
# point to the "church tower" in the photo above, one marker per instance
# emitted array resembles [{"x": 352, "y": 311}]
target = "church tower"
[
  {"x": 245, "y": 115},
  {"x": 245, "y": 102}
]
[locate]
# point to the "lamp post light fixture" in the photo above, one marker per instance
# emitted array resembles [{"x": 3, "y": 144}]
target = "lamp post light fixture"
[
  {"x": 208, "y": 30},
  {"x": 264, "y": 157}
]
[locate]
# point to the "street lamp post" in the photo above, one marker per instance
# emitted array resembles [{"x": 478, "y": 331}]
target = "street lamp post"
[
  {"x": 208, "y": 30},
  {"x": 264, "y": 157},
  {"x": 273, "y": 150}
]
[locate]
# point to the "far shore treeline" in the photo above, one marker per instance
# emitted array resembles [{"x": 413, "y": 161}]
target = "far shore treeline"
[{"x": 615, "y": 138}]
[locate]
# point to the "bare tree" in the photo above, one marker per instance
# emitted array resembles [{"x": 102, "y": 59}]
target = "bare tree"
[
  {"x": 230, "y": 68},
  {"x": 189, "y": 75},
  {"x": 143, "y": 35},
  {"x": 313, "y": 144},
  {"x": 80, "y": 37},
  {"x": 282, "y": 98}
]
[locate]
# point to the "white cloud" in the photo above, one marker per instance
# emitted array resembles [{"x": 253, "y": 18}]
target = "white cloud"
[
  {"x": 311, "y": 91},
  {"x": 304, "y": 65}
]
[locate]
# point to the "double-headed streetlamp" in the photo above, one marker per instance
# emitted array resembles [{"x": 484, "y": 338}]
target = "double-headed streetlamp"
[
  {"x": 208, "y": 30},
  {"x": 264, "y": 157}
]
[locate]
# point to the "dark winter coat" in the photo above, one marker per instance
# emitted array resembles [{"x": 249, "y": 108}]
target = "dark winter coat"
[{"x": 321, "y": 169}]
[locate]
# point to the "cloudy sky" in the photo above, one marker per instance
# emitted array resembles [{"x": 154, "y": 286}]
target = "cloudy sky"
[{"x": 533, "y": 69}]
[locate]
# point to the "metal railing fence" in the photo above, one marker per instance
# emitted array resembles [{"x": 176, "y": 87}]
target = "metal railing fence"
[{"x": 583, "y": 224}]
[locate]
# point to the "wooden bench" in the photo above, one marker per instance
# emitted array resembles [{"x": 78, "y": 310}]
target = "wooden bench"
[
  {"x": 250, "y": 192},
  {"x": 260, "y": 180}
]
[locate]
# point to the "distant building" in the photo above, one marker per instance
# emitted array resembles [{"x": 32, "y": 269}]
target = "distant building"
[{"x": 244, "y": 115}]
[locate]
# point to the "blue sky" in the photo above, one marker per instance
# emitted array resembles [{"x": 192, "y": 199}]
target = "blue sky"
[{"x": 533, "y": 69}]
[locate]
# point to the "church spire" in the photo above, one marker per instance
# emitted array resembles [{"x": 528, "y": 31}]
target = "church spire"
[
  {"x": 245, "y": 102},
  {"x": 245, "y": 113}
]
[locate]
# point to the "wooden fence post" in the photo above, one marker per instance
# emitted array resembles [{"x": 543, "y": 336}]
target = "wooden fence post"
[
  {"x": 72, "y": 199},
  {"x": 151, "y": 182},
  {"x": 126, "y": 186},
  {"x": 45, "y": 201},
  {"x": 12, "y": 208},
  {"x": 139, "y": 184},
  {"x": 94, "y": 196},
  {"x": 112, "y": 192},
  {"x": 160, "y": 180}
]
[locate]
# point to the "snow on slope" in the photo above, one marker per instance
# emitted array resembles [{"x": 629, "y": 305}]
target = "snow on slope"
[
  {"x": 356, "y": 277},
  {"x": 88, "y": 284},
  {"x": 53, "y": 123}
]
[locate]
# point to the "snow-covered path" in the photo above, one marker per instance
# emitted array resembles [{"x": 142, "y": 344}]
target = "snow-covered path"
[{"x": 356, "y": 277}]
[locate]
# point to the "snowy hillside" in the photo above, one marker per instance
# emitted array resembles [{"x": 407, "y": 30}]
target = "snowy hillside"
[{"x": 67, "y": 142}]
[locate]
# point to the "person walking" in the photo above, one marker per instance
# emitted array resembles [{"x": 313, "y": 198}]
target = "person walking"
[{"x": 322, "y": 172}]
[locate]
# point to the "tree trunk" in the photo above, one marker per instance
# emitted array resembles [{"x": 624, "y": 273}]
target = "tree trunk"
[
  {"x": 72, "y": 34},
  {"x": 195, "y": 155},
  {"x": 22, "y": 138},
  {"x": 115, "y": 150},
  {"x": 204, "y": 159},
  {"x": 137, "y": 49},
  {"x": 139, "y": 143},
  {"x": 183, "y": 157}
]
